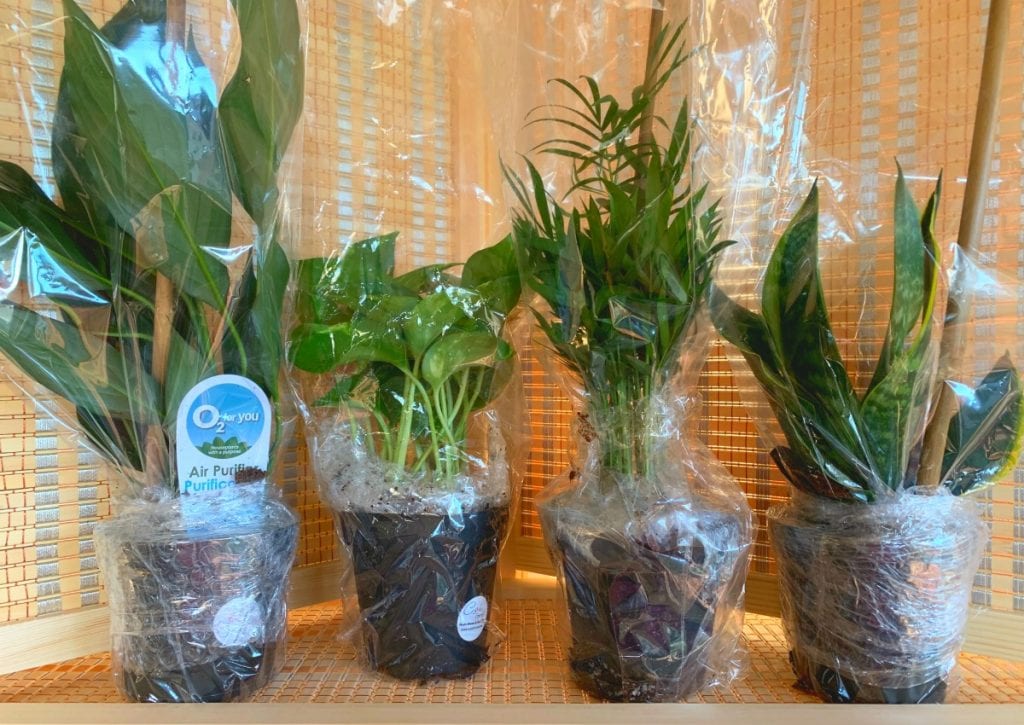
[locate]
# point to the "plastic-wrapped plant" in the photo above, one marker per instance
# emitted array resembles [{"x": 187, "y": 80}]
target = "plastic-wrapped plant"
[
  {"x": 849, "y": 446},
  {"x": 625, "y": 272},
  {"x": 410, "y": 358},
  {"x": 123, "y": 297},
  {"x": 648, "y": 535},
  {"x": 875, "y": 566}
]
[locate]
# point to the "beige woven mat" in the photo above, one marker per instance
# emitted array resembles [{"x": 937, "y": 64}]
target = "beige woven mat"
[{"x": 529, "y": 667}]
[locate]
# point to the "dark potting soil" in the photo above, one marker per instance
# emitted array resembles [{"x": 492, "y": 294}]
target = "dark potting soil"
[
  {"x": 234, "y": 676},
  {"x": 636, "y": 633},
  {"x": 414, "y": 574},
  {"x": 170, "y": 591}
]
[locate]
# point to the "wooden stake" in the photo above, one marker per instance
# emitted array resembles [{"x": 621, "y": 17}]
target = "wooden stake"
[
  {"x": 647, "y": 119},
  {"x": 163, "y": 317},
  {"x": 971, "y": 221}
]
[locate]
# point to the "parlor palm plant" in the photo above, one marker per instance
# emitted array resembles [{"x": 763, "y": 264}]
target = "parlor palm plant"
[
  {"x": 865, "y": 555},
  {"x": 121, "y": 298},
  {"x": 649, "y": 558}
]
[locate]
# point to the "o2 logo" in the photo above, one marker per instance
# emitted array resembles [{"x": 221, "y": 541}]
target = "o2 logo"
[
  {"x": 225, "y": 421},
  {"x": 206, "y": 417}
]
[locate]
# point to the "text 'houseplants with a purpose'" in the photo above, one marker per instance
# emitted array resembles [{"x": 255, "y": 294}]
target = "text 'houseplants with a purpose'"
[
  {"x": 875, "y": 571},
  {"x": 405, "y": 382},
  {"x": 648, "y": 534},
  {"x": 143, "y": 312}
]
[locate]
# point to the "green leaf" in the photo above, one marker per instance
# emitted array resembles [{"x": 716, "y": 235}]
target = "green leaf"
[
  {"x": 984, "y": 438},
  {"x": 260, "y": 316},
  {"x": 138, "y": 131},
  {"x": 330, "y": 289},
  {"x": 908, "y": 295},
  {"x": 796, "y": 317},
  {"x": 186, "y": 366},
  {"x": 378, "y": 331},
  {"x": 262, "y": 102},
  {"x": 318, "y": 348},
  {"x": 425, "y": 279},
  {"x": 895, "y": 405},
  {"x": 494, "y": 273},
  {"x": 87, "y": 372},
  {"x": 184, "y": 234},
  {"x": 454, "y": 352},
  {"x": 432, "y": 317}
]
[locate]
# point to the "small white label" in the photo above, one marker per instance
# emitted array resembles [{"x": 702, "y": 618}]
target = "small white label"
[
  {"x": 472, "y": 618},
  {"x": 238, "y": 622},
  {"x": 223, "y": 426}
]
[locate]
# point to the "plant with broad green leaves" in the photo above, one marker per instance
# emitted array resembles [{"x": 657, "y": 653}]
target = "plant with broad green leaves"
[
  {"x": 859, "y": 447},
  {"x": 625, "y": 272},
  {"x": 409, "y": 359},
  {"x": 124, "y": 296}
]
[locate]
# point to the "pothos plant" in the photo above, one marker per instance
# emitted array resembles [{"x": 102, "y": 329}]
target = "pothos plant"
[
  {"x": 624, "y": 272},
  {"x": 408, "y": 359},
  {"x": 130, "y": 291},
  {"x": 852, "y": 446}
]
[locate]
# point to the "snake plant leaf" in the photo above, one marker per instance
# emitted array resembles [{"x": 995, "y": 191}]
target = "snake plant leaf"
[
  {"x": 984, "y": 438},
  {"x": 494, "y": 273},
  {"x": 807, "y": 462},
  {"x": 811, "y": 479},
  {"x": 454, "y": 352},
  {"x": 141, "y": 134},
  {"x": 793, "y": 303},
  {"x": 896, "y": 402},
  {"x": 909, "y": 294},
  {"x": 318, "y": 348},
  {"x": 262, "y": 102},
  {"x": 87, "y": 372}
]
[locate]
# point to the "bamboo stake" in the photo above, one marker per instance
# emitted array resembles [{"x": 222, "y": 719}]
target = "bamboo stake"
[
  {"x": 654, "y": 30},
  {"x": 971, "y": 221},
  {"x": 163, "y": 317}
]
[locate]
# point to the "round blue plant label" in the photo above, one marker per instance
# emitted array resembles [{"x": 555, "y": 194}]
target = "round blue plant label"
[{"x": 223, "y": 426}]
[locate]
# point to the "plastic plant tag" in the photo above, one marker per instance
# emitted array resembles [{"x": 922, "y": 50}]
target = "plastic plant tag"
[
  {"x": 223, "y": 427},
  {"x": 473, "y": 618}
]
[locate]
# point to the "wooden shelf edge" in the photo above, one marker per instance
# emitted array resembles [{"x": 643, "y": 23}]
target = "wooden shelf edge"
[{"x": 693, "y": 714}]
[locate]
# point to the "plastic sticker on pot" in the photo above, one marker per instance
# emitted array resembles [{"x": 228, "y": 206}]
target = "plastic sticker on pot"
[
  {"x": 238, "y": 622},
  {"x": 223, "y": 427},
  {"x": 472, "y": 618}
]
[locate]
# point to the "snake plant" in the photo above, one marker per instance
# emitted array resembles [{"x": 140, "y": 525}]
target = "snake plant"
[
  {"x": 407, "y": 359},
  {"x": 624, "y": 272},
  {"x": 122, "y": 297},
  {"x": 846, "y": 445}
]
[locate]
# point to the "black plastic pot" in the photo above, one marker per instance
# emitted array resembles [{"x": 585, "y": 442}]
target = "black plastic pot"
[
  {"x": 874, "y": 598},
  {"x": 643, "y": 621},
  {"x": 199, "y": 617},
  {"x": 414, "y": 575}
]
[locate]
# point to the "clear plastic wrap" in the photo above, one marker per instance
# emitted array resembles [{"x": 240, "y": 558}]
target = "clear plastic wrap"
[
  {"x": 197, "y": 590},
  {"x": 401, "y": 353},
  {"x": 617, "y": 231},
  {"x": 142, "y": 252},
  {"x": 838, "y": 319},
  {"x": 874, "y": 598}
]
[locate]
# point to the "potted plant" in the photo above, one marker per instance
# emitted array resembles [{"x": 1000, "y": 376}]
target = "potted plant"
[
  {"x": 648, "y": 535},
  {"x": 402, "y": 375},
  {"x": 875, "y": 572},
  {"x": 134, "y": 293}
]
